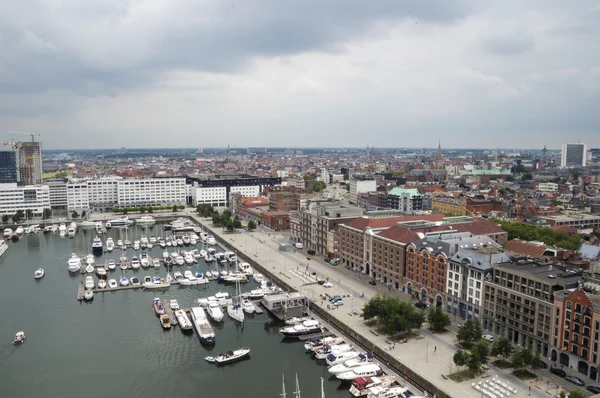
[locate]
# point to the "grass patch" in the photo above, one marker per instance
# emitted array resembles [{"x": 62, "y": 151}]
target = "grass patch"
[
  {"x": 523, "y": 374},
  {"x": 503, "y": 364},
  {"x": 463, "y": 375}
]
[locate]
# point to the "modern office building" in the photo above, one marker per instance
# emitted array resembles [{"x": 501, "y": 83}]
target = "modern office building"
[
  {"x": 103, "y": 193},
  {"x": 573, "y": 155},
  {"x": 8, "y": 167},
  {"x": 78, "y": 198},
  {"x": 15, "y": 197},
  {"x": 29, "y": 162},
  {"x": 405, "y": 200},
  {"x": 216, "y": 190},
  {"x": 151, "y": 192},
  {"x": 360, "y": 186},
  {"x": 58, "y": 194}
]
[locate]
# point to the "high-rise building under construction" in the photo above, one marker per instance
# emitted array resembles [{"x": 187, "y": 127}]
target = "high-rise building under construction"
[{"x": 29, "y": 162}]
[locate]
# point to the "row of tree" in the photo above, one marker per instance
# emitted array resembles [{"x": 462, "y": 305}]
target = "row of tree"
[
  {"x": 543, "y": 234},
  {"x": 393, "y": 315},
  {"x": 226, "y": 220},
  {"x": 145, "y": 209},
  {"x": 20, "y": 215}
]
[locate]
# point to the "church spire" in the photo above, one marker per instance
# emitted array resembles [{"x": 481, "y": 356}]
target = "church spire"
[{"x": 439, "y": 159}]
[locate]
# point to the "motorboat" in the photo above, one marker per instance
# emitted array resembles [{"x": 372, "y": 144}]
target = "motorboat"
[
  {"x": 101, "y": 272},
  {"x": 155, "y": 282},
  {"x": 89, "y": 269},
  {"x": 231, "y": 278},
  {"x": 349, "y": 364},
  {"x": 209, "y": 259},
  {"x": 127, "y": 243},
  {"x": 110, "y": 245},
  {"x": 179, "y": 241},
  {"x": 367, "y": 370},
  {"x": 112, "y": 265},
  {"x": 144, "y": 260},
  {"x": 101, "y": 284},
  {"x": 306, "y": 327},
  {"x": 214, "y": 311},
  {"x": 258, "y": 277},
  {"x": 229, "y": 356},
  {"x": 99, "y": 227},
  {"x": 8, "y": 232},
  {"x": 39, "y": 273},
  {"x": 71, "y": 231},
  {"x": 97, "y": 246},
  {"x": 90, "y": 259},
  {"x": 245, "y": 268},
  {"x": 124, "y": 281},
  {"x": 135, "y": 262},
  {"x": 19, "y": 338},
  {"x": 112, "y": 283},
  {"x": 188, "y": 258},
  {"x": 74, "y": 263},
  {"x": 189, "y": 276},
  {"x": 193, "y": 241},
  {"x": 135, "y": 281},
  {"x": 296, "y": 320},
  {"x": 169, "y": 241},
  {"x": 20, "y": 230},
  {"x": 89, "y": 282},
  {"x": 319, "y": 342},
  {"x": 88, "y": 295},
  {"x": 202, "y": 253},
  {"x": 136, "y": 245},
  {"x": 208, "y": 274},
  {"x": 387, "y": 392},
  {"x": 144, "y": 241},
  {"x": 174, "y": 305},
  {"x": 185, "y": 239},
  {"x": 337, "y": 349},
  {"x": 162, "y": 242},
  {"x": 184, "y": 322},
  {"x": 177, "y": 275},
  {"x": 157, "y": 306},
  {"x": 179, "y": 260},
  {"x": 255, "y": 294},
  {"x": 211, "y": 240},
  {"x": 108, "y": 225},
  {"x": 333, "y": 359},
  {"x": 118, "y": 222},
  {"x": 206, "y": 334},
  {"x": 145, "y": 220},
  {"x": 153, "y": 239},
  {"x": 156, "y": 262},
  {"x": 119, "y": 242},
  {"x": 165, "y": 322},
  {"x": 248, "y": 306},
  {"x": 361, "y": 385}
]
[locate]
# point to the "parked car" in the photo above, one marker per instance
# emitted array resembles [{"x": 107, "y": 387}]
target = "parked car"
[
  {"x": 594, "y": 389},
  {"x": 372, "y": 282},
  {"x": 488, "y": 337},
  {"x": 311, "y": 252},
  {"x": 299, "y": 246},
  {"x": 335, "y": 298},
  {"x": 575, "y": 380},
  {"x": 558, "y": 372},
  {"x": 337, "y": 303}
]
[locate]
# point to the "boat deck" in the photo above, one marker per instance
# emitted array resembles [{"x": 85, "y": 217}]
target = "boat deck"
[
  {"x": 325, "y": 333},
  {"x": 169, "y": 312},
  {"x": 80, "y": 291}
]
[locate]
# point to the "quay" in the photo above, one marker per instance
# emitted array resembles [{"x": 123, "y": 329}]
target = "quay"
[
  {"x": 80, "y": 291},
  {"x": 169, "y": 312},
  {"x": 128, "y": 287}
]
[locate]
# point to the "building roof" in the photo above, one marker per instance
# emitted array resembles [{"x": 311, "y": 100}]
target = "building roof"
[
  {"x": 525, "y": 248},
  {"x": 363, "y": 223},
  {"x": 480, "y": 172},
  {"x": 589, "y": 251},
  {"x": 400, "y": 191}
]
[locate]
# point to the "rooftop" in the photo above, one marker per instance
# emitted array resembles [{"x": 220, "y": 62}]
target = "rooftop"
[
  {"x": 541, "y": 270},
  {"x": 413, "y": 192}
]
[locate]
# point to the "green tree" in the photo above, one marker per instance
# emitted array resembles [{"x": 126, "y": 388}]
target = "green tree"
[
  {"x": 125, "y": 210},
  {"x": 142, "y": 209},
  {"x": 229, "y": 226},
  {"x": 510, "y": 178},
  {"x": 527, "y": 177},
  {"x": 502, "y": 347},
  {"x": 29, "y": 213},
  {"x": 438, "y": 319},
  {"x": 528, "y": 357},
  {"x": 483, "y": 349},
  {"x": 393, "y": 315},
  {"x": 74, "y": 215},
  {"x": 5, "y": 218},
  {"x": 461, "y": 358},
  {"x": 517, "y": 358},
  {"x": 577, "y": 393},
  {"x": 475, "y": 360},
  {"x": 319, "y": 186},
  {"x": 237, "y": 223},
  {"x": 217, "y": 220},
  {"x": 151, "y": 209},
  {"x": 47, "y": 214},
  {"x": 251, "y": 225},
  {"x": 174, "y": 208},
  {"x": 83, "y": 214}
]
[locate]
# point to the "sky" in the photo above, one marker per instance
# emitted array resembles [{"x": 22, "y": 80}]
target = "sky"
[{"x": 300, "y": 73}]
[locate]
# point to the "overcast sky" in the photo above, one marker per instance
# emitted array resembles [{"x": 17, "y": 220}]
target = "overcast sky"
[{"x": 200, "y": 73}]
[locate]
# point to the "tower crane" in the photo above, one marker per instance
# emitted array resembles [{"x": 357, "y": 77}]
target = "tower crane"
[{"x": 23, "y": 132}]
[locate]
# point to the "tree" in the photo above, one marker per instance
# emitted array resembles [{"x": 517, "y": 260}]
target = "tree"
[
  {"x": 527, "y": 177},
  {"x": 174, "y": 208},
  {"x": 5, "y": 218},
  {"x": 393, "y": 315},
  {"x": 438, "y": 319},
  {"x": 251, "y": 225},
  {"x": 577, "y": 393},
  {"x": 83, "y": 214},
  {"x": 319, "y": 186},
  {"x": 29, "y": 213},
  {"x": 460, "y": 358},
  {"x": 47, "y": 214},
  {"x": 528, "y": 357},
  {"x": 475, "y": 360},
  {"x": 150, "y": 209},
  {"x": 125, "y": 210},
  {"x": 517, "y": 358},
  {"x": 237, "y": 223},
  {"x": 502, "y": 347},
  {"x": 216, "y": 220},
  {"x": 483, "y": 349},
  {"x": 74, "y": 215},
  {"x": 142, "y": 209}
]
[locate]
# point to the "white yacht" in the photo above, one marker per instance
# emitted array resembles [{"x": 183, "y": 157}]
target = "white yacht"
[
  {"x": 8, "y": 232},
  {"x": 190, "y": 277},
  {"x": 74, "y": 263},
  {"x": 186, "y": 239},
  {"x": 102, "y": 284},
  {"x": 258, "y": 277},
  {"x": 89, "y": 282},
  {"x": 110, "y": 245},
  {"x": 156, "y": 262},
  {"x": 234, "y": 310},
  {"x": 20, "y": 230},
  {"x": 361, "y": 386},
  {"x": 341, "y": 367},
  {"x": 367, "y": 370},
  {"x": 3, "y": 247},
  {"x": 112, "y": 265},
  {"x": 337, "y": 349},
  {"x": 188, "y": 258},
  {"x": 184, "y": 322},
  {"x": 245, "y": 268},
  {"x": 71, "y": 231},
  {"x": 120, "y": 221},
  {"x": 306, "y": 327},
  {"x": 124, "y": 281},
  {"x": 230, "y": 356},
  {"x": 112, "y": 283},
  {"x": 214, "y": 311},
  {"x": 97, "y": 246},
  {"x": 135, "y": 262},
  {"x": 387, "y": 392},
  {"x": 206, "y": 334},
  {"x": 144, "y": 260},
  {"x": 145, "y": 220},
  {"x": 211, "y": 240},
  {"x": 90, "y": 259},
  {"x": 136, "y": 245},
  {"x": 155, "y": 282},
  {"x": 248, "y": 306},
  {"x": 119, "y": 243}
]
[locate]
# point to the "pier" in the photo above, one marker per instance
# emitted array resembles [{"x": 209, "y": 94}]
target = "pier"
[
  {"x": 169, "y": 312},
  {"x": 80, "y": 291}
]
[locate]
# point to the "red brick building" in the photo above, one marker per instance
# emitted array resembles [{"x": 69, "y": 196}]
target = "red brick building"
[
  {"x": 276, "y": 220},
  {"x": 426, "y": 270}
]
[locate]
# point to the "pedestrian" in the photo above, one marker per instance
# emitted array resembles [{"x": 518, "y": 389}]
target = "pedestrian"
[
  {"x": 393, "y": 346},
  {"x": 434, "y": 349}
]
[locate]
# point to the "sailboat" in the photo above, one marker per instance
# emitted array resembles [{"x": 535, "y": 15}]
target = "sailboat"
[
  {"x": 283, "y": 394},
  {"x": 234, "y": 310},
  {"x": 297, "y": 392}
]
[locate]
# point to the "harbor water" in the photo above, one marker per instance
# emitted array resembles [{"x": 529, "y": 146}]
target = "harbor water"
[{"x": 114, "y": 345}]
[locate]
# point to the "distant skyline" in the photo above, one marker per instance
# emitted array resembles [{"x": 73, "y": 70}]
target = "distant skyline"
[{"x": 349, "y": 73}]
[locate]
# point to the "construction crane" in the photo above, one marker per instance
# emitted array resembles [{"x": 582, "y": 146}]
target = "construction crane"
[
  {"x": 22, "y": 132},
  {"x": 26, "y": 154}
]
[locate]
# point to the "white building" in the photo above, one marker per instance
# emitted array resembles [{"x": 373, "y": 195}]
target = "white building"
[
  {"x": 248, "y": 190},
  {"x": 360, "y": 186},
  {"x": 58, "y": 194},
  {"x": 103, "y": 193},
  {"x": 214, "y": 196},
  {"x": 548, "y": 187},
  {"x": 78, "y": 198},
  {"x": 573, "y": 155},
  {"x": 151, "y": 192},
  {"x": 29, "y": 197}
]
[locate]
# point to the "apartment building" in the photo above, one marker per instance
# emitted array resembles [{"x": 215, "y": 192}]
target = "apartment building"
[
  {"x": 296, "y": 228},
  {"x": 103, "y": 193},
  {"x": 547, "y": 187},
  {"x": 151, "y": 192},
  {"x": 469, "y": 268},
  {"x": 288, "y": 200},
  {"x": 360, "y": 186},
  {"x": 576, "y": 331},
  {"x": 215, "y": 190},
  {"x": 519, "y": 301},
  {"x": 29, "y": 197},
  {"x": 448, "y": 205},
  {"x": 57, "y": 189},
  {"x": 320, "y": 218},
  {"x": 78, "y": 198},
  {"x": 406, "y": 200}
]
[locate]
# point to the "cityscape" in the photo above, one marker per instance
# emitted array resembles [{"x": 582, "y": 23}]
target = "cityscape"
[{"x": 385, "y": 199}]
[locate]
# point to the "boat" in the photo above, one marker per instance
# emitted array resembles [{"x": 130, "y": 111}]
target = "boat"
[
  {"x": 101, "y": 272},
  {"x": 153, "y": 239},
  {"x": 135, "y": 262},
  {"x": 245, "y": 268},
  {"x": 127, "y": 243},
  {"x": 108, "y": 225},
  {"x": 211, "y": 240},
  {"x": 306, "y": 327},
  {"x": 99, "y": 227},
  {"x": 256, "y": 294},
  {"x": 135, "y": 281},
  {"x": 144, "y": 241},
  {"x": 178, "y": 259},
  {"x": 97, "y": 246},
  {"x": 337, "y": 349},
  {"x": 248, "y": 306},
  {"x": 155, "y": 282},
  {"x": 110, "y": 245},
  {"x": 184, "y": 322},
  {"x": 71, "y": 231},
  {"x": 136, "y": 245},
  {"x": 145, "y": 220},
  {"x": 157, "y": 306},
  {"x": 120, "y": 222},
  {"x": 202, "y": 253},
  {"x": 124, "y": 281},
  {"x": 101, "y": 284},
  {"x": 20, "y": 230},
  {"x": 258, "y": 277},
  {"x": 367, "y": 370},
  {"x": 231, "y": 278},
  {"x": 229, "y": 356},
  {"x": 74, "y": 263},
  {"x": 8, "y": 232},
  {"x": 144, "y": 260},
  {"x": 174, "y": 305},
  {"x": 334, "y": 359},
  {"x": 88, "y": 295},
  {"x": 387, "y": 392},
  {"x": 179, "y": 241},
  {"x": 185, "y": 239},
  {"x": 319, "y": 342},
  {"x": 39, "y": 273},
  {"x": 214, "y": 311},
  {"x": 177, "y": 275},
  {"x": 361, "y": 385},
  {"x": 349, "y": 364},
  {"x": 156, "y": 262},
  {"x": 188, "y": 258},
  {"x": 89, "y": 282},
  {"x": 119, "y": 243},
  {"x": 205, "y": 331},
  {"x": 89, "y": 268},
  {"x": 112, "y": 265},
  {"x": 90, "y": 259},
  {"x": 234, "y": 310},
  {"x": 112, "y": 283},
  {"x": 162, "y": 242},
  {"x": 296, "y": 320},
  {"x": 19, "y": 338},
  {"x": 165, "y": 322},
  {"x": 190, "y": 277}
]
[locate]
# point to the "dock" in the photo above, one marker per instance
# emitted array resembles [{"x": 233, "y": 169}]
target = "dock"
[
  {"x": 257, "y": 309},
  {"x": 169, "y": 312},
  {"x": 80, "y": 291},
  {"x": 324, "y": 333}
]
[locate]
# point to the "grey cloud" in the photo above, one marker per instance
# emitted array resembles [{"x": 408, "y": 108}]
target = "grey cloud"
[{"x": 508, "y": 45}]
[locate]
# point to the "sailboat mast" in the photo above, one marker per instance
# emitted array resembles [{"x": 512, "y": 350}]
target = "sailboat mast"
[
  {"x": 297, "y": 392},
  {"x": 322, "y": 391},
  {"x": 283, "y": 394}
]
